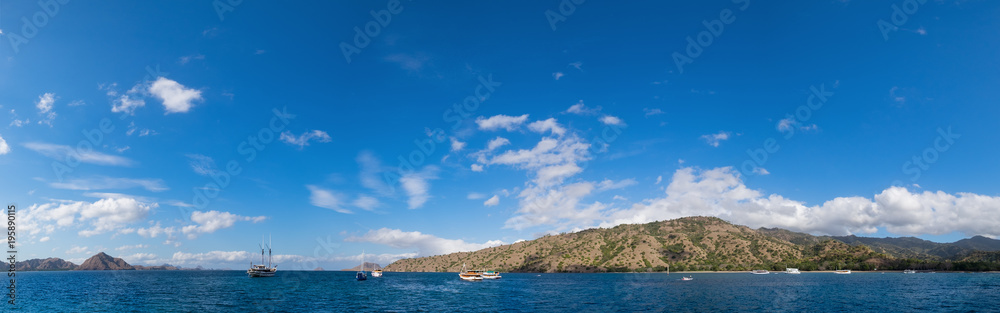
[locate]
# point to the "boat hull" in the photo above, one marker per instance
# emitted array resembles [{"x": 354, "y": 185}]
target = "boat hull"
[{"x": 376, "y": 274}]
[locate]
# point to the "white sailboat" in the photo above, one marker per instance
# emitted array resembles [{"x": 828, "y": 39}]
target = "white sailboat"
[
  {"x": 469, "y": 275},
  {"x": 261, "y": 270}
]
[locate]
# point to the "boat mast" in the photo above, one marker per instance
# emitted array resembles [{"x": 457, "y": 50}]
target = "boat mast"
[{"x": 268, "y": 251}]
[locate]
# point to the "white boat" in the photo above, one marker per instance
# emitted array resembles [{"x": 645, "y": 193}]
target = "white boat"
[
  {"x": 792, "y": 270},
  {"x": 687, "y": 278},
  {"x": 377, "y": 273},
  {"x": 469, "y": 275},
  {"x": 490, "y": 274},
  {"x": 842, "y": 272},
  {"x": 909, "y": 272},
  {"x": 261, "y": 270},
  {"x": 760, "y": 272}
]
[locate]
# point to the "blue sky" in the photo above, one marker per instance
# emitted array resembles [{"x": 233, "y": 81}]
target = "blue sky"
[{"x": 181, "y": 133}]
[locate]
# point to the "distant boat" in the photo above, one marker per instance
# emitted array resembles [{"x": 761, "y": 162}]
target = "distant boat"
[
  {"x": 760, "y": 272},
  {"x": 792, "y": 270},
  {"x": 909, "y": 272},
  {"x": 261, "y": 270},
  {"x": 469, "y": 275},
  {"x": 842, "y": 272},
  {"x": 361, "y": 274},
  {"x": 377, "y": 273},
  {"x": 490, "y": 274},
  {"x": 687, "y": 278}
]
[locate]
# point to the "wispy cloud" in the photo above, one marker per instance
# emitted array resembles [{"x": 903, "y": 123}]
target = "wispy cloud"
[
  {"x": 61, "y": 153},
  {"x": 326, "y": 198},
  {"x": 612, "y": 120},
  {"x": 100, "y": 183},
  {"x": 417, "y": 186},
  {"x": 715, "y": 139},
  {"x": 581, "y": 109},
  {"x": 510, "y": 123},
  {"x": 495, "y": 200},
  {"x": 211, "y": 221},
  {"x": 303, "y": 140},
  {"x": 425, "y": 244}
]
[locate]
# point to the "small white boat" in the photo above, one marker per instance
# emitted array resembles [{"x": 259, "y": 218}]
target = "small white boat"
[
  {"x": 760, "y": 272},
  {"x": 469, "y": 275},
  {"x": 909, "y": 272},
  {"x": 843, "y": 272},
  {"x": 377, "y": 273},
  {"x": 792, "y": 270},
  {"x": 261, "y": 270},
  {"x": 490, "y": 274},
  {"x": 687, "y": 278}
]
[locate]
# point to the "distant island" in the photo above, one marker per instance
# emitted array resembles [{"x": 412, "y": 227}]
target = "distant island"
[
  {"x": 368, "y": 267},
  {"x": 712, "y": 244},
  {"x": 99, "y": 262}
]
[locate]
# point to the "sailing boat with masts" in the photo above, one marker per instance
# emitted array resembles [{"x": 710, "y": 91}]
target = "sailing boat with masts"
[
  {"x": 261, "y": 270},
  {"x": 361, "y": 274}
]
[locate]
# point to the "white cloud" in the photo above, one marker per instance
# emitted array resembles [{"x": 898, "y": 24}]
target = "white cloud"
[
  {"x": 211, "y": 221},
  {"x": 608, "y": 184},
  {"x": 202, "y": 165},
  {"x": 76, "y": 103},
  {"x": 44, "y": 105},
  {"x": 326, "y": 199},
  {"x": 187, "y": 58},
  {"x": 578, "y": 65},
  {"x": 78, "y": 250},
  {"x": 492, "y": 201},
  {"x": 497, "y": 143},
  {"x": 720, "y": 192},
  {"x": 659, "y": 179},
  {"x": 44, "y": 239},
  {"x": 45, "y": 102},
  {"x": 102, "y": 216},
  {"x": 371, "y": 173},
  {"x": 416, "y": 186},
  {"x": 425, "y": 244},
  {"x": 176, "y": 98},
  {"x": 99, "y": 183},
  {"x": 786, "y": 123},
  {"x": 366, "y": 203},
  {"x": 761, "y": 171},
  {"x": 546, "y": 125},
  {"x": 128, "y": 102},
  {"x": 140, "y": 258},
  {"x": 130, "y": 247},
  {"x": 475, "y": 196},
  {"x": 558, "y": 75},
  {"x": 4, "y": 148},
  {"x": 155, "y": 231},
  {"x": 715, "y": 139},
  {"x": 61, "y": 153},
  {"x": 510, "y": 123},
  {"x": 456, "y": 144},
  {"x": 650, "y": 112},
  {"x": 580, "y": 109},
  {"x": 303, "y": 140},
  {"x": 477, "y": 168},
  {"x": 612, "y": 120}
]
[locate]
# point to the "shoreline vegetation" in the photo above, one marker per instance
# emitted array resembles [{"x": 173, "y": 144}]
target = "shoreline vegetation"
[{"x": 710, "y": 244}]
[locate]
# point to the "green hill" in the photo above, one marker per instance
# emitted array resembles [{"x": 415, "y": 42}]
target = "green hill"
[{"x": 691, "y": 243}]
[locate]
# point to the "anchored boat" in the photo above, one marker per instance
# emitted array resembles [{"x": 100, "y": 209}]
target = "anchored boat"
[
  {"x": 361, "y": 274},
  {"x": 469, "y": 275},
  {"x": 261, "y": 270}
]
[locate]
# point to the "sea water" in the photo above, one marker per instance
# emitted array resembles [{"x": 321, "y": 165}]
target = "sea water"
[{"x": 308, "y": 291}]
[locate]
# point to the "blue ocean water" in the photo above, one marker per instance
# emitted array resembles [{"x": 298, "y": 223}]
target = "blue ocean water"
[{"x": 307, "y": 291}]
